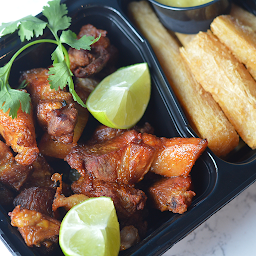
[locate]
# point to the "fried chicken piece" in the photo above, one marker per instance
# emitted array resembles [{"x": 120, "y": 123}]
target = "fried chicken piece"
[
  {"x": 125, "y": 158},
  {"x": 56, "y": 112},
  {"x": 84, "y": 63},
  {"x": 19, "y": 133},
  {"x": 129, "y": 156},
  {"x": 12, "y": 174},
  {"x": 175, "y": 156},
  {"x": 36, "y": 228},
  {"x": 173, "y": 194},
  {"x": 127, "y": 199},
  {"x": 38, "y": 199}
]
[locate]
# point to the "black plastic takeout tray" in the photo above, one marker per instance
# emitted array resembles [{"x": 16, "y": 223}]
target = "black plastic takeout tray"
[{"x": 216, "y": 181}]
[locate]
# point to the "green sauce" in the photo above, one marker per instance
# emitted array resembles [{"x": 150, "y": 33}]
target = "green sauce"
[{"x": 183, "y": 3}]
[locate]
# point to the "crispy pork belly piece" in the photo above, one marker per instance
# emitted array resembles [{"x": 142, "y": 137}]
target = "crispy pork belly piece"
[
  {"x": 36, "y": 228},
  {"x": 240, "y": 39},
  {"x": 12, "y": 174},
  {"x": 55, "y": 110},
  {"x": 184, "y": 38},
  {"x": 57, "y": 149},
  {"x": 84, "y": 63},
  {"x": 6, "y": 195},
  {"x": 19, "y": 133},
  {"x": 125, "y": 158},
  {"x": 39, "y": 88},
  {"x": 129, "y": 156},
  {"x": 172, "y": 194},
  {"x": 175, "y": 156},
  {"x": 227, "y": 79},
  {"x": 58, "y": 119},
  {"x": 127, "y": 199},
  {"x": 38, "y": 199},
  {"x": 203, "y": 113}
]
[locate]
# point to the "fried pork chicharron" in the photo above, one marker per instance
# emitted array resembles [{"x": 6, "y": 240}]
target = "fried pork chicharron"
[
  {"x": 19, "y": 133},
  {"x": 85, "y": 63},
  {"x": 172, "y": 194},
  {"x": 129, "y": 156},
  {"x": 36, "y": 228},
  {"x": 12, "y": 174},
  {"x": 55, "y": 110}
]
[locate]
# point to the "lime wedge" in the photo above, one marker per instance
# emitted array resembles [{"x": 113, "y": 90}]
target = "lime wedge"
[
  {"x": 90, "y": 228},
  {"x": 120, "y": 100}
]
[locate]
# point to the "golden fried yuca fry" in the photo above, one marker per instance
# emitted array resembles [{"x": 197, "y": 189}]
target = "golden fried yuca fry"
[
  {"x": 185, "y": 38},
  {"x": 245, "y": 17},
  {"x": 229, "y": 82},
  {"x": 240, "y": 39},
  {"x": 202, "y": 111}
]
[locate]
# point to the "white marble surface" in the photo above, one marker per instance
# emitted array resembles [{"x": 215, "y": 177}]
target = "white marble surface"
[{"x": 229, "y": 232}]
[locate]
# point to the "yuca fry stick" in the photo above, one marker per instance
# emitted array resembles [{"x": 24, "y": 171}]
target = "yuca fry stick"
[
  {"x": 240, "y": 39},
  {"x": 202, "y": 111},
  {"x": 229, "y": 82},
  {"x": 246, "y": 18},
  {"x": 185, "y": 38}
]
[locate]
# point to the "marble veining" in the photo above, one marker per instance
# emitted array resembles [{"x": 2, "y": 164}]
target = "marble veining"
[{"x": 229, "y": 232}]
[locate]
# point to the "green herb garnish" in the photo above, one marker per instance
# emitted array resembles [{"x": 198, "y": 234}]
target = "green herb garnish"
[{"x": 60, "y": 74}]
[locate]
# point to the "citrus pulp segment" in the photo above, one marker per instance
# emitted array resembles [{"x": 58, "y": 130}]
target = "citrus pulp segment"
[
  {"x": 120, "y": 99},
  {"x": 90, "y": 228}
]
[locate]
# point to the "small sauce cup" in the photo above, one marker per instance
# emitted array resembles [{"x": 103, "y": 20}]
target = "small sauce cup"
[{"x": 190, "y": 20}]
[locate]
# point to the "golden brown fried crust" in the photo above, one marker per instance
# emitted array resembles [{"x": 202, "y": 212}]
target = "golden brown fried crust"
[
  {"x": 39, "y": 87},
  {"x": 172, "y": 194},
  {"x": 229, "y": 82},
  {"x": 128, "y": 156},
  {"x": 124, "y": 158},
  {"x": 36, "y": 228},
  {"x": 55, "y": 110},
  {"x": 175, "y": 156},
  {"x": 19, "y": 133}
]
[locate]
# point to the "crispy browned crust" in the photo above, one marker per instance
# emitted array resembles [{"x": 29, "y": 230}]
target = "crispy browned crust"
[
  {"x": 240, "y": 39},
  {"x": 202, "y": 111},
  {"x": 229, "y": 82}
]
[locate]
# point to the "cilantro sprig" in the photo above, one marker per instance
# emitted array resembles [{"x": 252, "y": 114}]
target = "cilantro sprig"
[{"x": 60, "y": 74}]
